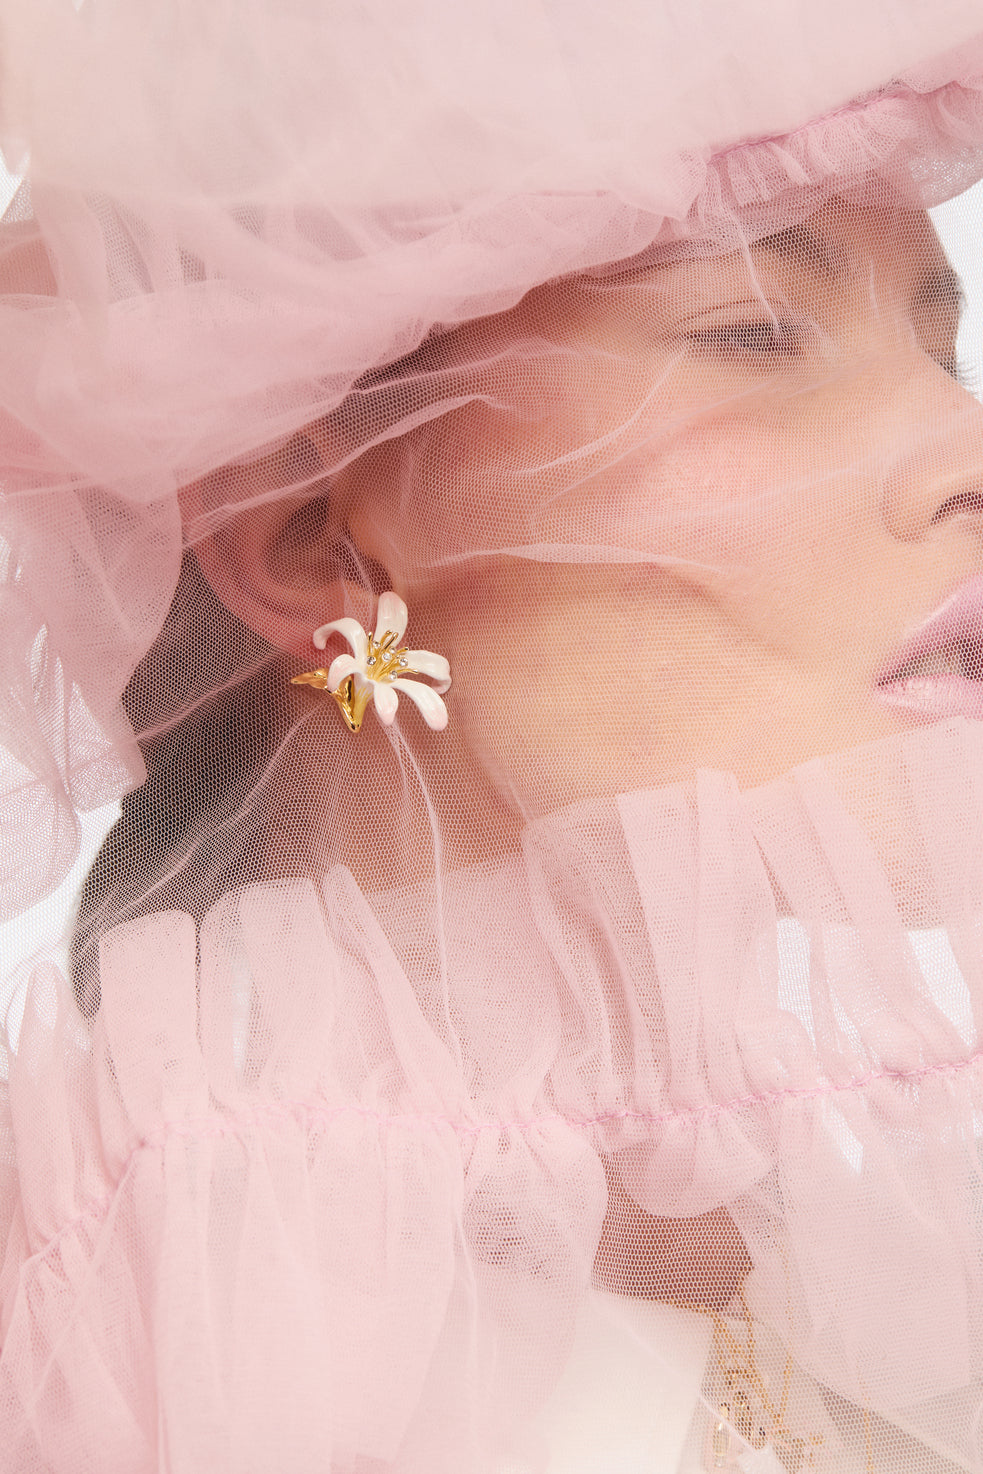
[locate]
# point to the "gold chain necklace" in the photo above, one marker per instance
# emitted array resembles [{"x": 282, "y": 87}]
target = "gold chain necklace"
[{"x": 747, "y": 1415}]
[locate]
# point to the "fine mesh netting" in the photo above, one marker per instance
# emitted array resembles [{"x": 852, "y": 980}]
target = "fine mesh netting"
[{"x": 577, "y": 1068}]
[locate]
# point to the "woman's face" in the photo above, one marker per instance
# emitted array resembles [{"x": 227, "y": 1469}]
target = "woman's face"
[{"x": 690, "y": 515}]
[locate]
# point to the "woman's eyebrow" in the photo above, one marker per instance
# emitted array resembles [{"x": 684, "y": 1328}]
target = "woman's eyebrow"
[
  {"x": 939, "y": 286},
  {"x": 798, "y": 244}
]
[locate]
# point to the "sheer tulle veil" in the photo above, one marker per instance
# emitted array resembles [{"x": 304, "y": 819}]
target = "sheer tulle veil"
[{"x": 573, "y": 1070}]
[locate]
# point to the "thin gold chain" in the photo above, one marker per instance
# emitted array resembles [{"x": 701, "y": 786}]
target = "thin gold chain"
[{"x": 756, "y": 1419}]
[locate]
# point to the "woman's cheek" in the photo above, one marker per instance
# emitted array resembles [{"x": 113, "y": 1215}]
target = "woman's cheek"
[
  {"x": 712, "y": 494},
  {"x": 566, "y": 678}
]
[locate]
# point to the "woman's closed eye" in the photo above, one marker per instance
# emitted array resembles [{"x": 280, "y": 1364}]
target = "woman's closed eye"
[
  {"x": 783, "y": 338},
  {"x": 963, "y": 373},
  {"x": 759, "y": 338}
]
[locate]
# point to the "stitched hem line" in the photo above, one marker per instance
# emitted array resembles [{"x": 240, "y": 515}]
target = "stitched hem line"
[{"x": 306, "y": 1114}]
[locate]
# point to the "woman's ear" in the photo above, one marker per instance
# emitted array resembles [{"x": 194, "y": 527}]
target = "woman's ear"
[{"x": 265, "y": 538}]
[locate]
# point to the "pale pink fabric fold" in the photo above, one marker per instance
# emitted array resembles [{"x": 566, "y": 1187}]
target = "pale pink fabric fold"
[{"x": 323, "y": 1198}]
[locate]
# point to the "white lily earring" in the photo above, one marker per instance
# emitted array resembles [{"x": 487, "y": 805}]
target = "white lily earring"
[{"x": 379, "y": 667}]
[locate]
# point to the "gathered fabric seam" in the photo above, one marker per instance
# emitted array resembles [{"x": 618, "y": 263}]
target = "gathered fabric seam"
[
  {"x": 304, "y": 1112},
  {"x": 896, "y": 92}
]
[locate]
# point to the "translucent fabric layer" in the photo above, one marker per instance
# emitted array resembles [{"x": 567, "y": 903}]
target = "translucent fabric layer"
[
  {"x": 309, "y": 1195},
  {"x": 508, "y": 524},
  {"x": 210, "y": 276}
]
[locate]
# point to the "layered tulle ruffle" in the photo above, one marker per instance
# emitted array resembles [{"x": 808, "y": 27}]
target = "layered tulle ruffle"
[{"x": 325, "y": 1183}]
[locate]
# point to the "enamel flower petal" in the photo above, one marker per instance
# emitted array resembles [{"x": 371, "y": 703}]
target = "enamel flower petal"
[
  {"x": 379, "y": 668},
  {"x": 429, "y": 704},
  {"x": 426, "y": 663},
  {"x": 340, "y": 667},
  {"x": 352, "y": 631},
  {"x": 393, "y": 617},
  {"x": 386, "y": 702}
]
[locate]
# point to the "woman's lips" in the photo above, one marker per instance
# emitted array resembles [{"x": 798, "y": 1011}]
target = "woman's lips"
[
  {"x": 938, "y": 672},
  {"x": 935, "y": 697}
]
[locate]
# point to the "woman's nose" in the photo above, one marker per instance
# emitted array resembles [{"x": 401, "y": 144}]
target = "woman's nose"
[{"x": 934, "y": 468}]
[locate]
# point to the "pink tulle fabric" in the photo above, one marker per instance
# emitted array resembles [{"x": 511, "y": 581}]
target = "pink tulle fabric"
[
  {"x": 379, "y": 1071},
  {"x": 290, "y": 1158},
  {"x": 198, "y": 296}
]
